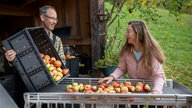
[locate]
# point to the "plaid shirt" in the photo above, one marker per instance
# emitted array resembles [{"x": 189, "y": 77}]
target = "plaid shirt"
[{"x": 58, "y": 46}]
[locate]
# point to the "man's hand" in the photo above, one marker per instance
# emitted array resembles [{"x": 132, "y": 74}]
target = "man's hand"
[{"x": 10, "y": 54}]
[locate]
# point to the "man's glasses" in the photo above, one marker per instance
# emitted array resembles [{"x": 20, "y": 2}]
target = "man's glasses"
[{"x": 51, "y": 18}]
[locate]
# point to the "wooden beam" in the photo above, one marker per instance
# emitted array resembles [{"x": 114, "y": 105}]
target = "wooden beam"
[
  {"x": 27, "y": 2},
  {"x": 84, "y": 41},
  {"x": 17, "y": 11}
]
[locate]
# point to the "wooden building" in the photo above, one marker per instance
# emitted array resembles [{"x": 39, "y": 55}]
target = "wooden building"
[{"x": 82, "y": 16}]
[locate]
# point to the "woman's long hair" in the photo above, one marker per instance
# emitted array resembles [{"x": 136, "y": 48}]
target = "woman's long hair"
[{"x": 150, "y": 49}]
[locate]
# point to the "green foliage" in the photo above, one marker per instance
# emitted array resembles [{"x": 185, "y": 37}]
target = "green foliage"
[{"x": 173, "y": 35}]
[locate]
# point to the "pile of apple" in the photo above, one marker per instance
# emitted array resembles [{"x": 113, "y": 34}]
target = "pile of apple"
[
  {"x": 114, "y": 87},
  {"x": 54, "y": 66}
]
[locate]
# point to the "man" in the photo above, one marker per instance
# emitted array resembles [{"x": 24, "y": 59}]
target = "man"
[
  {"x": 49, "y": 19},
  {"x": 48, "y": 16}
]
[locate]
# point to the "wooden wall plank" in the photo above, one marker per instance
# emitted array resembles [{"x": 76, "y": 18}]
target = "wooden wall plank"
[{"x": 17, "y": 11}]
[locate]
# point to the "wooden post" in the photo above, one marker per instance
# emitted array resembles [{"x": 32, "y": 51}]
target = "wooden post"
[
  {"x": 189, "y": 102},
  {"x": 97, "y": 30}
]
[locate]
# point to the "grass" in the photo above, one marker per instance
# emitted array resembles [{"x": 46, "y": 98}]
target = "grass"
[{"x": 175, "y": 39}]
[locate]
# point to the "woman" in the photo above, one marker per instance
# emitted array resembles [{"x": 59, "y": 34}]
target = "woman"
[{"x": 141, "y": 57}]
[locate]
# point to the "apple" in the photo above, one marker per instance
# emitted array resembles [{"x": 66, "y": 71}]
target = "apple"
[
  {"x": 118, "y": 90},
  {"x": 48, "y": 65},
  {"x": 146, "y": 88},
  {"x": 60, "y": 74},
  {"x": 102, "y": 87},
  {"x": 81, "y": 84},
  {"x": 112, "y": 91},
  {"x": 52, "y": 60},
  {"x": 51, "y": 68},
  {"x": 124, "y": 89},
  {"x": 65, "y": 71},
  {"x": 127, "y": 84},
  {"x": 104, "y": 84},
  {"x": 76, "y": 88},
  {"x": 110, "y": 87},
  {"x": 69, "y": 86},
  {"x": 57, "y": 63},
  {"x": 106, "y": 90},
  {"x": 70, "y": 90},
  {"x": 138, "y": 88},
  {"x": 67, "y": 56},
  {"x": 47, "y": 57},
  {"x": 58, "y": 78},
  {"x": 59, "y": 70},
  {"x": 115, "y": 84},
  {"x": 87, "y": 87},
  {"x": 81, "y": 88},
  {"x": 42, "y": 55},
  {"x": 121, "y": 84},
  {"x": 139, "y": 84},
  {"x": 131, "y": 88},
  {"x": 54, "y": 72},
  {"x": 46, "y": 61},
  {"x": 88, "y": 91},
  {"x": 94, "y": 88},
  {"x": 74, "y": 84},
  {"x": 99, "y": 90}
]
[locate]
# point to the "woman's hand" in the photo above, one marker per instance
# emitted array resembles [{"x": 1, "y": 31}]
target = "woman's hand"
[
  {"x": 10, "y": 54},
  {"x": 107, "y": 79}
]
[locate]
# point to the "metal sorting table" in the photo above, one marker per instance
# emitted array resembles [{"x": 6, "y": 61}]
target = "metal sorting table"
[{"x": 175, "y": 95}]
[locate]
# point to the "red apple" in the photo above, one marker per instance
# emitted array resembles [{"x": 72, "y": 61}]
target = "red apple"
[
  {"x": 102, "y": 87},
  {"x": 139, "y": 84},
  {"x": 65, "y": 71},
  {"x": 138, "y": 88},
  {"x": 115, "y": 84},
  {"x": 131, "y": 88},
  {"x": 106, "y": 90},
  {"x": 67, "y": 56},
  {"x": 104, "y": 84},
  {"x": 146, "y": 88},
  {"x": 127, "y": 84},
  {"x": 70, "y": 90},
  {"x": 94, "y": 88},
  {"x": 46, "y": 61},
  {"x": 42, "y": 55},
  {"x": 87, "y": 87},
  {"x": 52, "y": 60},
  {"x": 57, "y": 63},
  {"x": 88, "y": 91}
]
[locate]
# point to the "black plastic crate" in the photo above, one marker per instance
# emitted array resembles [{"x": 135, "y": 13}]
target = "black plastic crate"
[
  {"x": 28, "y": 44},
  {"x": 8, "y": 83},
  {"x": 85, "y": 64},
  {"x": 73, "y": 66}
]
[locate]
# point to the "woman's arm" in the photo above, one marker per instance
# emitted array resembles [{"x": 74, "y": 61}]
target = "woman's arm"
[{"x": 159, "y": 78}]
